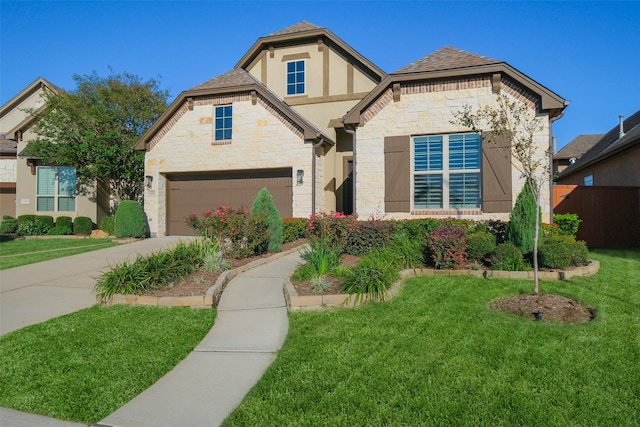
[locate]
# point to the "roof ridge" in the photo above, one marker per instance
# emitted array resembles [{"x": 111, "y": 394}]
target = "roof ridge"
[
  {"x": 447, "y": 58},
  {"x": 296, "y": 28}
]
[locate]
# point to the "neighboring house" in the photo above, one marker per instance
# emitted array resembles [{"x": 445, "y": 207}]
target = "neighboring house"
[
  {"x": 305, "y": 115},
  {"x": 571, "y": 152},
  {"x": 40, "y": 188},
  {"x": 614, "y": 160}
]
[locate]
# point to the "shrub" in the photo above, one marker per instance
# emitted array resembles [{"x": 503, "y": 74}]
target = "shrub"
[
  {"x": 213, "y": 260},
  {"x": 8, "y": 225},
  {"x": 294, "y": 229},
  {"x": 507, "y": 256},
  {"x": 321, "y": 258},
  {"x": 366, "y": 236},
  {"x": 567, "y": 223},
  {"x": 26, "y": 218},
  {"x": 480, "y": 245},
  {"x": 334, "y": 228},
  {"x": 263, "y": 205},
  {"x": 521, "y": 228},
  {"x": 562, "y": 252},
  {"x": 498, "y": 229},
  {"x": 129, "y": 220},
  {"x": 45, "y": 221},
  {"x": 408, "y": 251},
  {"x": 64, "y": 221},
  {"x": 447, "y": 246},
  {"x": 151, "y": 272},
  {"x": 82, "y": 225},
  {"x": 372, "y": 277},
  {"x": 59, "y": 230},
  {"x": 28, "y": 226},
  {"x": 108, "y": 225}
]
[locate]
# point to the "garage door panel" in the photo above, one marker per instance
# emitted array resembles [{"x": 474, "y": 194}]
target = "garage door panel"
[{"x": 195, "y": 193}]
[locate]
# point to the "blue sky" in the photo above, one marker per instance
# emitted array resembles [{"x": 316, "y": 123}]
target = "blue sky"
[{"x": 587, "y": 52}]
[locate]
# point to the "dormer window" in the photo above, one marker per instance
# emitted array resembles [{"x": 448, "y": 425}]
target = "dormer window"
[{"x": 295, "y": 77}]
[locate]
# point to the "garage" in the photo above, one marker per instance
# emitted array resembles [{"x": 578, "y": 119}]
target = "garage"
[{"x": 197, "y": 192}]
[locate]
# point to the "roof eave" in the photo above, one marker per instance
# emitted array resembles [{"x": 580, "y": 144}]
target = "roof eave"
[
  {"x": 24, "y": 93},
  {"x": 607, "y": 153}
]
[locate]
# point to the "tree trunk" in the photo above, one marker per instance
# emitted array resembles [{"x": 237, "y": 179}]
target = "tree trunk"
[{"x": 536, "y": 279}]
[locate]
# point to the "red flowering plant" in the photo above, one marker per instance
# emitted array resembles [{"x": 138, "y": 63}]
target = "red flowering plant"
[
  {"x": 332, "y": 229},
  {"x": 238, "y": 233}
]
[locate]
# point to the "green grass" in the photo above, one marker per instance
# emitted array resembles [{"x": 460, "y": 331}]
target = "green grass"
[
  {"x": 436, "y": 355},
  {"x": 85, "y": 365},
  {"x": 14, "y": 253}
]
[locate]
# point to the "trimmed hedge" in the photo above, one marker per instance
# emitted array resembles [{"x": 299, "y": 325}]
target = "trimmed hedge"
[
  {"x": 82, "y": 225},
  {"x": 8, "y": 225},
  {"x": 59, "y": 230},
  {"x": 480, "y": 245},
  {"x": 129, "y": 220},
  {"x": 294, "y": 229},
  {"x": 64, "y": 221},
  {"x": 562, "y": 252},
  {"x": 447, "y": 246},
  {"x": 508, "y": 257},
  {"x": 107, "y": 224}
]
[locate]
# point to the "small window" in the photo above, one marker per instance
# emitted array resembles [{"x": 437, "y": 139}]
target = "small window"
[
  {"x": 56, "y": 189},
  {"x": 588, "y": 180},
  {"x": 295, "y": 77},
  {"x": 224, "y": 122}
]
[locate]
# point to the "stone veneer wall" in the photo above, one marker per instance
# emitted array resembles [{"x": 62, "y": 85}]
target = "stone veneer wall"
[
  {"x": 8, "y": 170},
  {"x": 262, "y": 139},
  {"x": 427, "y": 109}
]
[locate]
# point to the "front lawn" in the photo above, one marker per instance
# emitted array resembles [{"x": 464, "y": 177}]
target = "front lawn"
[
  {"x": 437, "y": 355},
  {"x": 85, "y": 365},
  {"x": 14, "y": 253}
]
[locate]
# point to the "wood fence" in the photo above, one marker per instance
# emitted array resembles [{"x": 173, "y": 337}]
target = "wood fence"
[{"x": 610, "y": 215}]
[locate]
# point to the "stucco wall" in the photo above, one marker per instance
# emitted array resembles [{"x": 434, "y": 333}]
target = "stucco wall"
[
  {"x": 261, "y": 140},
  {"x": 423, "y": 113}
]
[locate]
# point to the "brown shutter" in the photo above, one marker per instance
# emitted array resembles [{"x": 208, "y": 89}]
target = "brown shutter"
[
  {"x": 496, "y": 174},
  {"x": 397, "y": 173}
]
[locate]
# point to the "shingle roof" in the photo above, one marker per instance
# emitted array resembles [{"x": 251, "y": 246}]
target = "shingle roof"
[
  {"x": 296, "y": 28},
  {"x": 8, "y": 146},
  {"x": 235, "y": 77},
  {"x": 578, "y": 146},
  {"x": 447, "y": 58}
]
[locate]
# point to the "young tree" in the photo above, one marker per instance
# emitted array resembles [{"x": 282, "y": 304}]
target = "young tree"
[
  {"x": 95, "y": 127},
  {"x": 264, "y": 205},
  {"x": 515, "y": 121}
]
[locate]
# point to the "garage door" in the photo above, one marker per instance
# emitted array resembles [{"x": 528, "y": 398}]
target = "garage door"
[{"x": 189, "y": 193}]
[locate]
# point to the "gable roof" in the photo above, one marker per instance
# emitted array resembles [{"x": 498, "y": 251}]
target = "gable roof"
[
  {"x": 450, "y": 62},
  {"x": 14, "y": 102},
  {"x": 306, "y": 31},
  {"x": 609, "y": 145},
  {"x": 578, "y": 146},
  {"x": 234, "y": 81}
]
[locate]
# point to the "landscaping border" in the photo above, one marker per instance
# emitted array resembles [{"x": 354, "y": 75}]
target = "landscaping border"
[
  {"x": 209, "y": 300},
  {"x": 297, "y": 302}
]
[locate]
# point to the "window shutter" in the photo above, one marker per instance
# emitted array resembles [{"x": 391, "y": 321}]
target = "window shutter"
[
  {"x": 397, "y": 173},
  {"x": 496, "y": 174}
]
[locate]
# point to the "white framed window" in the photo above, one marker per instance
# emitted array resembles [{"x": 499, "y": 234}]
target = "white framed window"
[
  {"x": 223, "y": 122},
  {"x": 56, "y": 189},
  {"x": 588, "y": 180},
  {"x": 295, "y": 77},
  {"x": 446, "y": 171}
]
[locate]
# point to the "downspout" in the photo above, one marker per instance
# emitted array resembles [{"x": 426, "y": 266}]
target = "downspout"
[
  {"x": 313, "y": 174},
  {"x": 551, "y": 151},
  {"x": 353, "y": 144}
]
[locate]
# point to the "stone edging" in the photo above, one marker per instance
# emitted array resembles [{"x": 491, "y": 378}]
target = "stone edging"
[
  {"x": 210, "y": 299},
  {"x": 297, "y": 302}
]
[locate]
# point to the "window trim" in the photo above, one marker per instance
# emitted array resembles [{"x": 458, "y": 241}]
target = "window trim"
[
  {"x": 445, "y": 172},
  {"x": 295, "y": 84},
  {"x": 57, "y": 195},
  {"x": 223, "y": 129}
]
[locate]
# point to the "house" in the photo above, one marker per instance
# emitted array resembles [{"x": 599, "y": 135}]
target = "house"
[
  {"x": 38, "y": 188},
  {"x": 8, "y": 156},
  {"x": 571, "y": 152},
  {"x": 324, "y": 129},
  {"x": 612, "y": 161}
]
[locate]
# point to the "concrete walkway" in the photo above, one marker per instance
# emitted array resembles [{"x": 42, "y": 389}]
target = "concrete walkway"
[{"x": 203, "y": 389}]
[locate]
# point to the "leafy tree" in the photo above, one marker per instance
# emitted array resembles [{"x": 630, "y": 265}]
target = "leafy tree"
[
  {"x": 512, "y": 119},
  {"x": 522, "y": 221},
  {"x": 95, "y": 127}
]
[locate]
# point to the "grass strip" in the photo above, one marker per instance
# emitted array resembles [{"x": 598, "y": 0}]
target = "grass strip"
[
  {"x": 437, "y": 355},
  {"x": 15, "y": 253},
  {"x": 83, "y": 366}
]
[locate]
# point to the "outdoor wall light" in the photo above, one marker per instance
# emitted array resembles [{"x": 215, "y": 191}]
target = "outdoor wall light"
[
  {"x": 148, "y": 180},
  {"x": 299, "y": 176}
]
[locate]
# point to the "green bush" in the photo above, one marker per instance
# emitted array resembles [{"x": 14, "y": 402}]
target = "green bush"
[
  {"x": 334, "y": 228},
  {"x": 372, "y": 277},
  {"x": 562, "y": 252},
  {"x": 447, "y": 247},
  {"x": 213, "y": 258},
  {"x": 321, "y": 258},
  {"x": 59, "y": 230},
  {"x": 29, "y": 226},
  {"x": 151, "y": 272},
  {"x": 408, "y": 251},
  {"x": 264, "y": 206},
  {"x": 64, "y": 221},
  {"x": 366, "y": 236},
  {"x": 8, "y": 225},
  {"x": 82, "y": 225},
  {"x": 480, "y": 244},
  {"x": 45, "y": 221},
  {"x": 567, "y": 223},
  {"x": 508, "y": 257},
  {"x": 294, "y": 229},
  {"x": 107, "y": 224},
  {"x": 26, "y": 218},
  {"x": 521, "y": 228},
  {"x": 129, "y": 220}
]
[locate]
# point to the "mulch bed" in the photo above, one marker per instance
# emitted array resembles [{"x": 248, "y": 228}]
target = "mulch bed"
[
  {"x": 304, "y": 288},
  {"x": 554, "y": 308}
]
